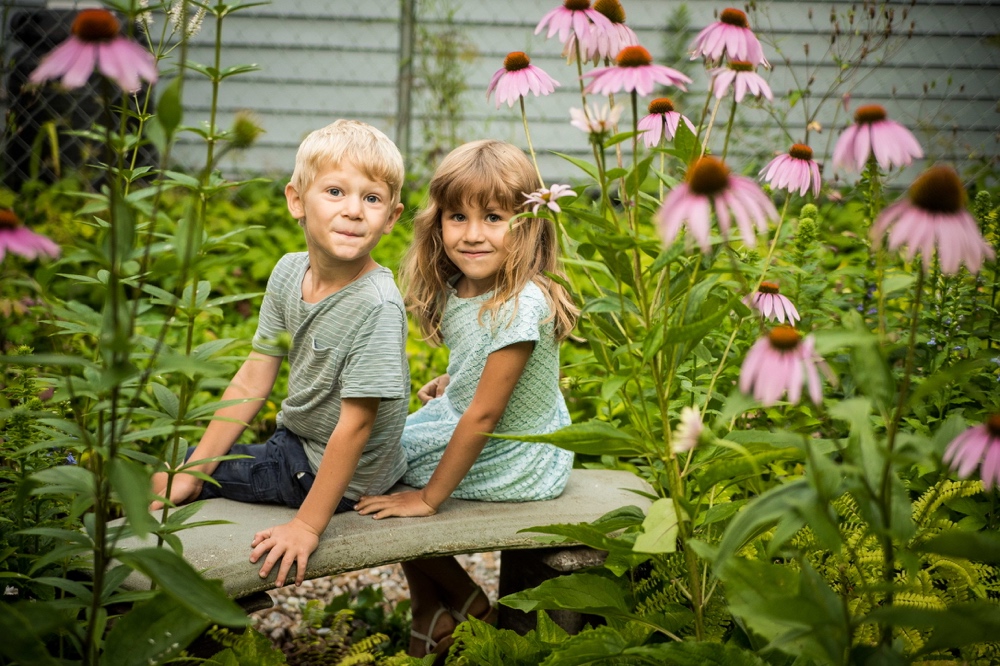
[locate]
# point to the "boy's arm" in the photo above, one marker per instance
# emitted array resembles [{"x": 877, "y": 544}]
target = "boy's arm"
[
  {"x": 293, "y": 542},
  {"x": 504, "y": 368},
  {"x": 252, "y": 382}
]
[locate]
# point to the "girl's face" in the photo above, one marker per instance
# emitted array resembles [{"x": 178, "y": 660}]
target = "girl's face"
[{"x": 475, "y": 239}]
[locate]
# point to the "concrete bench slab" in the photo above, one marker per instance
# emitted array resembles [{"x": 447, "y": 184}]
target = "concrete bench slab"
[{"x": 353, "y": 542}]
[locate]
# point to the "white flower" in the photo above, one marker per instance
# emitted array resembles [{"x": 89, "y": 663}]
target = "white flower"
[
  {"x": 688, "y": 432},
  {"x": 194, "y": 18},
  {"x": 547, "y": 197},
  {"x": 596, "y": 119}
]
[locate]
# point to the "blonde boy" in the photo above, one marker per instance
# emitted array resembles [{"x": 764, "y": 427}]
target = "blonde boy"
[{"x": 339, "y": 426}]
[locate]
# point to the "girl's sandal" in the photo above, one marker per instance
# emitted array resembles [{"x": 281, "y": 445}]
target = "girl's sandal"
[
  {"x": 432, "y": 646},
  {"x": 489, "y": 617}
]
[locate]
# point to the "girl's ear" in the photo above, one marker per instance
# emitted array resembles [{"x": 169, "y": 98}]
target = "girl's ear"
[{"x": 295, "y": 205}]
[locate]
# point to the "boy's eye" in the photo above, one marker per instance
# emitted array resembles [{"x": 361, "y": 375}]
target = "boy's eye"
[
  {"x": 372, "y": 199},
  {"x": 335, "y": 191}
]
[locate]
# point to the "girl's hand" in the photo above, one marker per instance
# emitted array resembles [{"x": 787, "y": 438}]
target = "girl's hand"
[
  {"x": 410, "y": 503},
  {"x": 433, "y": 389},
  {"x": 291, "y": 543}
]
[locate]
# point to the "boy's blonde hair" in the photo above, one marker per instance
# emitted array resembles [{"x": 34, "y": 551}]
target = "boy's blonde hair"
[
  {"x": 484, "y": 173},
  {"x": 366, "y": 148}
]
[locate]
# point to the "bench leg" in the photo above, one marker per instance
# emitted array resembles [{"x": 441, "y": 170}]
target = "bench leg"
[{"x": 523, "y": 569}]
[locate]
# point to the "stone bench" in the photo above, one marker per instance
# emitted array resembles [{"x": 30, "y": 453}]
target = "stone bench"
[{"x": 353, "y": 541}]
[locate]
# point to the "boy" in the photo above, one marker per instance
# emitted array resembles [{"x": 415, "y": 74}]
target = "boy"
[{"x": 348, "y": 385}]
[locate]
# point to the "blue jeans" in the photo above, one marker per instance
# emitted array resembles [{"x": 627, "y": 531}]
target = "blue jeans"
[{"x": 278, "y": 473}]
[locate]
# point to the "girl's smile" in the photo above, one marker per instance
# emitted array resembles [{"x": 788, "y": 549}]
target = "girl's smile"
[{"x": 475, "y": 240}]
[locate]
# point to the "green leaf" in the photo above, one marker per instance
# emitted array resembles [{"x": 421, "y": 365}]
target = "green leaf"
[
  {"x": 177, "y": 578},
  {"x": 584, "y": 165},
  {"x": 973, "y": 546},
  {"x": 758, "y": 516},
  {"x": 166, "y": 398},
  {"x": 591, "y": 646},
  {"x": 958, "y": 626},
  {"x": 659, "y": 530},
  {"x": 695, "y": 654},
  {"x": 153, "y": 632},
  {"x": 66, "y": 479},
  {"x": 590, "y": 437},
  {"x": 21, "y": 643},
  {"x": 585, "y": 593},
  {"x": 130, "y": 481},
  {"x": 169, "y": 110}
]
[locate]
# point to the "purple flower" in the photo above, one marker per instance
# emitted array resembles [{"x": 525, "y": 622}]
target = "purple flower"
[
  {"x": 730, "y": 35},
  {"x": 574, "y": 18},
  {"x": 95, "y": 42},
  {"x": 771, "y": 304},
  {"x": 689, "y": 431},
  {"x": 781, "y": 362},
  {"x": 547, "y": 197},
  {"x": 517, "y": 77},
  {"x": 596, "y": 120},
  {"x": 873, "y": 133},
  {"x": 708, "y": 186},
  {"x": 933, "y": 217},
  {"x": 661, "y": 121},
  {"x": 740, "y": 75},
  {"x": 634, "y": 71},
  {"x": 977, "y": 446},
  {"x": 794, "y": 170},
  {"x": 21, "y": 240}
]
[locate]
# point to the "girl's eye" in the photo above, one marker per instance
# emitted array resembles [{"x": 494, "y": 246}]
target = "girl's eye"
[
  {"x": 494, "y": 218},
  {"x": 458, "y": 217}
]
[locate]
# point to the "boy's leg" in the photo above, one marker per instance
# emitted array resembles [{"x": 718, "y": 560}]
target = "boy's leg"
[{"x": 277, "y": 472}]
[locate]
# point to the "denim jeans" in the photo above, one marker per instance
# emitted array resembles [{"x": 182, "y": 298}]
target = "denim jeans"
[{"x": 278, "y": 473}]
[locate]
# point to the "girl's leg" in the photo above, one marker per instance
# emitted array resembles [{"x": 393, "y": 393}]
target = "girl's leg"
[
  {"x": 425, "y": 602},
  {"x": 456, "y": 589}
]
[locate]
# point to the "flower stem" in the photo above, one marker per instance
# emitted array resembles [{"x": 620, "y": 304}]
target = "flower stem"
[
  {"x": 729, "y": 129},
  {"x": 711, "y": 122},
  {"x": 527, "y": 135}
]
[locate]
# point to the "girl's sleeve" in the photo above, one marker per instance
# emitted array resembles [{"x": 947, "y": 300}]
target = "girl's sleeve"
[{"x": 526, "y": 323}]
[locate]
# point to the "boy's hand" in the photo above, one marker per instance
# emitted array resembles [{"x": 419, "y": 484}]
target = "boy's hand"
[
  {"x": 185, "y": 488},
  {"x": 410, "y": 503},
  {"x": 433, "y": 389},
  {"x": 292, "y": 543}
]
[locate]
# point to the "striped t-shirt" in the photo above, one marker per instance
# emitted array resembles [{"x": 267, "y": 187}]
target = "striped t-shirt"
[{"x": 352, "y": 344}]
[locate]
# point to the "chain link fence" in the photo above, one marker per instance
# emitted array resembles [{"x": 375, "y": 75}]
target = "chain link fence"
[{"x": 418, "y": 70}]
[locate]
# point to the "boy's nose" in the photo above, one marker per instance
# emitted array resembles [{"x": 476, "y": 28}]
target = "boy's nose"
[{"x": 353, "y": 206}]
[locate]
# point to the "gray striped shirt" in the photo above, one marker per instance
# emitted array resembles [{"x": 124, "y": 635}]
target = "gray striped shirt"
[{"x": 352, "y": 344}]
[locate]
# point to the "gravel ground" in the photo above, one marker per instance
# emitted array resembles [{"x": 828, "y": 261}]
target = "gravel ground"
[{"x": 280, "y": 622}]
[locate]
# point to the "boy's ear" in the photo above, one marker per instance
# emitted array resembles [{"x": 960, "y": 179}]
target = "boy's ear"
[
  {"x": 393, "y": 218},
  {"x": 294, "y": 201}
]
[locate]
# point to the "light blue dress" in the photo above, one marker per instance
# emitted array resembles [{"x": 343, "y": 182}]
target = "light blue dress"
[{"x": 506, "y": 470}]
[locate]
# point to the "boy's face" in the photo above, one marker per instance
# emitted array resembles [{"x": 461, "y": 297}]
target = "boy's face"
[{"x": 344, "y": 214}]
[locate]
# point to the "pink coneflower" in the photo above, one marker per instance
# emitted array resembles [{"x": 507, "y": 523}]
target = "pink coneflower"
[
  {"x": 547, "y": 197},
  {"x": 873, "y": 133},
  {"x": 708, "y": 186},
  {"x": 21, "y": 240},
  {"x": 95, "y": 42},
  {"x": 771, "y": 304},
  {"x": 607, "y": 42},
  {"x": 730, "y": 35},
  {"x": 634, "y": 71},
  {"x": 794, "y": 170},
  {"x": 596, "y": 120},
  {"x": 740, "y": 75},
  {"x": 977, "y": 446},
  {"x": 574, "y": 18},
  {"x": 517, "y": 77},
  {"x": 933, "y": 216},
  {"x": 661, "y": 121},
  {"x": 782, "y": 361}
]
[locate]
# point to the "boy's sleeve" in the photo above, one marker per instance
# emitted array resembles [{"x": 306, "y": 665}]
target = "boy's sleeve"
[
  {"x": 271, "y": 321},
  {"x": 375, "y": 366},
  {"x": 526, "y": 324}
]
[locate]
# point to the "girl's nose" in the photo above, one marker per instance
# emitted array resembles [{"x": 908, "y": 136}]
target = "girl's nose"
[{"x": 474, "y": 231}]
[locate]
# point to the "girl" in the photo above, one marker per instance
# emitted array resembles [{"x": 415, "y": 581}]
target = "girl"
[{"x": 477, "y": 282}]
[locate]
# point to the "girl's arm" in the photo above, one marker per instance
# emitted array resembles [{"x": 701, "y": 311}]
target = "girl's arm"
[{"x": 501, "y": 374}]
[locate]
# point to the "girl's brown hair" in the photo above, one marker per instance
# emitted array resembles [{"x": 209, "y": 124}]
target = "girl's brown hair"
[{"x": 484, "y": 173}]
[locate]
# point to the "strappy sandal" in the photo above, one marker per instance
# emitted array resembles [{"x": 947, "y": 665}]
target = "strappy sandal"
[
  {"x": 431, "y": 646},
  {"x": 489, "y": 617}
]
